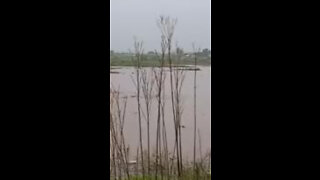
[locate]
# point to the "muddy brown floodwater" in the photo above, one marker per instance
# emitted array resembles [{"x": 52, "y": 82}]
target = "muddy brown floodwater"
[{"x": 123, "y": 81}]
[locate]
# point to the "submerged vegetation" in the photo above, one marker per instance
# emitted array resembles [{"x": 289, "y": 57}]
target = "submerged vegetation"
[{"x": 160, "y": 162}]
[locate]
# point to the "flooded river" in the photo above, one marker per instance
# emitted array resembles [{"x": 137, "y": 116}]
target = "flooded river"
[{"x": 123, "y": 80}]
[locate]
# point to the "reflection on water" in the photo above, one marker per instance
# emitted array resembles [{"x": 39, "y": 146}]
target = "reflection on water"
[{"x": 124, "y": 81}]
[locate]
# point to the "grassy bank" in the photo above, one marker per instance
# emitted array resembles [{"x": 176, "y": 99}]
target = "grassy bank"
[
  {"x": 188, "y": 175},
  {"x": 125, "y": 59}
]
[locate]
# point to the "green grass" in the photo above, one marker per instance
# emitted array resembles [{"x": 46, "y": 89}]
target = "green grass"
[
  {"x": 152, "y": 61},
  {"x": 187, "y": 176}
]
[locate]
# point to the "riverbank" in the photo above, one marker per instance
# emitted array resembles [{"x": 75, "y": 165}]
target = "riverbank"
[{"x": 152, "y": 61}]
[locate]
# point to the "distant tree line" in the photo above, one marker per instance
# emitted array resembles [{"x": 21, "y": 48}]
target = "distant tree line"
[{"x": 205, "y": 52}]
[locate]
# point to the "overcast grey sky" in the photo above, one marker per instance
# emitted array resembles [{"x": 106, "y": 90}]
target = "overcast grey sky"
[{"x": 131, "y": 18}]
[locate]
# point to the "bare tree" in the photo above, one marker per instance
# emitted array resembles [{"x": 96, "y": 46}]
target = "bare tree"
[
  {"x": 195, "y": 51},
  {"x": 147, "y": 89},
  {"x": 160, "y": 82},
  {"x": 138, "y": 49}
]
